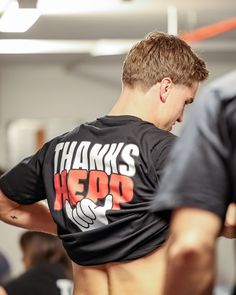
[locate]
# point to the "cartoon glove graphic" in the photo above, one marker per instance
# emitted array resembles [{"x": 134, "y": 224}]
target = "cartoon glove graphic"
[{"x": 87, "y": 215}]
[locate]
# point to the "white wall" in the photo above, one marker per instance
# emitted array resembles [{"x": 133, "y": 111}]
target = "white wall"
[{"x": 47, "y": 91}]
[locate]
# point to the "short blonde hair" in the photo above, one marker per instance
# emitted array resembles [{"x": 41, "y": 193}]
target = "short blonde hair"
[{"x": 160, "y": 55}]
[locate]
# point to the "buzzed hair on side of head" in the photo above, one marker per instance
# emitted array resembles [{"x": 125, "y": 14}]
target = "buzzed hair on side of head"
[{"x": 160, "y": 55}]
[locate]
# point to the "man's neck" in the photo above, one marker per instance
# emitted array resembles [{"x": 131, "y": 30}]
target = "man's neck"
[{"x": 133, "y": 102}]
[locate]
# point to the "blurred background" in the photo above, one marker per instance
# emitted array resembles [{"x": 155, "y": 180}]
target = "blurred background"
[{"x": 60, "y": 65}]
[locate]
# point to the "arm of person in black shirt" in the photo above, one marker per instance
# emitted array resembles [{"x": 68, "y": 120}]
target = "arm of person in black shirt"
[
  {"x": 229, "y": 229},
  {"x": 197, "y": 188},
  {"x": 2, "y": 291},
  {"x": 33, "y": 217},
  {"x": 191, "y": 252},
  {"x": 192, "y": 247}
]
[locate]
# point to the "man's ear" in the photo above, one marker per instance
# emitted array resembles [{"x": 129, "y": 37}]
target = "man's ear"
[{"x": 165, "y": 87}]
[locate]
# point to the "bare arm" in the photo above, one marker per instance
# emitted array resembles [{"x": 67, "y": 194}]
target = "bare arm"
[
  {"x": 191, "y": 252},
  {"x": 229, "y": 230},
  {"x": 2, "y": 291},
  {"x": 33, "y": 217}
]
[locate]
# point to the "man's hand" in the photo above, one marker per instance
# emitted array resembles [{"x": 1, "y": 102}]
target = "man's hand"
[
  {"x": 229, "y": 230},
  {"x": 87, "y": 215}
]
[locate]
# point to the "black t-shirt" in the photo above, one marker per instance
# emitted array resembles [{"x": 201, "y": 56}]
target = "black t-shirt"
[
  {"x": 99, "y": 180},
  {"x": 43, "y": 279},
  {"x": 202, "y": 170}
]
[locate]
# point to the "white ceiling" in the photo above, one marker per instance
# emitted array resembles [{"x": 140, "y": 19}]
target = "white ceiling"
[{"x": 129, "y": 20}]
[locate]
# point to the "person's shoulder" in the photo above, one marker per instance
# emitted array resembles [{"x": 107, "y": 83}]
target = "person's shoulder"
[
  {"x": 157, "y": 139},
  {"x": 49, "y": 269},
  {"x": 151, "y": 130},
  {"x": 66, "y": 136},
  {"x": 17, "y": 283},
  {"x": 23, "y": 282},
  {"x": 159, "y": 135},
  {"x": 215, "y": 101},
  {"x": 218, "y": 92},
  {"x": 225, "y": 86}
]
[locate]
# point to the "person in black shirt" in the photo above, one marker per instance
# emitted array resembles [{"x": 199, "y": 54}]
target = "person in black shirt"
[
  {"x": 100, "y": 178},
  {"x": 200, "y": 186},
  {"x": 5, "y": 269},
  {"x": 47, "y": 267}
]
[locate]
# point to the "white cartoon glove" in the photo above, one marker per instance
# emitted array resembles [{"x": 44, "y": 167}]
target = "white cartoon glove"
[{"x": 87, "y": 215}]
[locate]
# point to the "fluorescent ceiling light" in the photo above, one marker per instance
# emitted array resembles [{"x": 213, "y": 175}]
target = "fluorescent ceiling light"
[
  {"x": 80, "y": 6},
  {"x": 3, "y": 4},
  {"x": 24, "y": 46},
  {"x": 16, "y": 19},
  {"x": 93, "y": 47},
  {"x": 111, "y": 47}
]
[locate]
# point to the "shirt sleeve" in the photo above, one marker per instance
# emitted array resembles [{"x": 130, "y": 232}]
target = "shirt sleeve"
[
  {"x": 197, "y": 175},
  {"x": 24, "y": 183}
]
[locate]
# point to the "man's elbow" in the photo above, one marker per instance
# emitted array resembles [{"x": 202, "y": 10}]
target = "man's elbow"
[
  {"x": 189, "y": 251},
  {"x": 190, "y": 266}
]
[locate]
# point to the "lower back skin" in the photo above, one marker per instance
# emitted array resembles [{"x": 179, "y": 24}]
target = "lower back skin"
[{"x": 143, "y": 276}]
